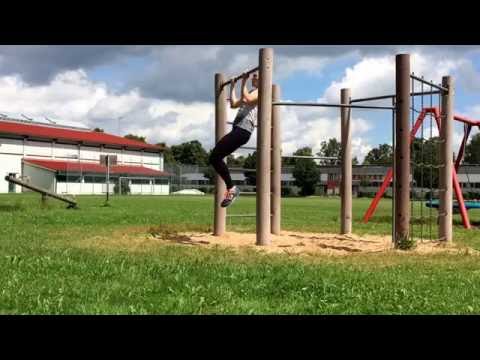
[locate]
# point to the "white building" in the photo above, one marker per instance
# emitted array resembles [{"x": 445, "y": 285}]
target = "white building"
[{"x": 66, "y": 160}]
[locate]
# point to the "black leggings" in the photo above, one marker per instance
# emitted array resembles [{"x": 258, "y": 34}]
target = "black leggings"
[{"x": 227, "y": 145}]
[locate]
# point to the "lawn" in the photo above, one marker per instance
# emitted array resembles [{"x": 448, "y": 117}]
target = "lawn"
[{"x": 58, "y": 261}]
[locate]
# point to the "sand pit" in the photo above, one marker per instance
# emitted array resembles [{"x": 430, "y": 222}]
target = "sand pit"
[{"x": 304, "y": 243}]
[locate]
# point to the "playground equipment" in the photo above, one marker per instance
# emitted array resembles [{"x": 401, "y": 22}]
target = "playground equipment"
[
  {"x": 461, "y": 204},
  {"x": 71, "y": 203},
  {"x": 268, "y": 147},
  {"x": 456, "y": 206}
]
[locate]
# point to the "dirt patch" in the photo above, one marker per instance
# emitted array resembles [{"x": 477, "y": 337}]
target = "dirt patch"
[{"x": 303, "y": 243}]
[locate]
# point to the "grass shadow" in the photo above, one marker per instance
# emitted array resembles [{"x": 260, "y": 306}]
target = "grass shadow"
[
  {"x": 9, "y": 207},
  {"x": 171, "y": 232}
]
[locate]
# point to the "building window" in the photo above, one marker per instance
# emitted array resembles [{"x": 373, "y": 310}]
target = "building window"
[
  {"x": 95, "y": 179},
  {"x": 69, "y": 178},
  {"x": 140, "y": 181}
]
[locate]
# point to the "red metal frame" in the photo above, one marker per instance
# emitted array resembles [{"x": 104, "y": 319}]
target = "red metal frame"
[{"x": 456, "y": 185}]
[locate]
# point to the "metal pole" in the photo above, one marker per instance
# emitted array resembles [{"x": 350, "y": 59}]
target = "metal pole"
[
  {"x": 276, "y": 196},
  {"x": 402, "y": 149},
  {"x": 263, "y": 145},
  {"x": 393, "y": 169},
  {"x": 310, "y": 157},
  {"x": 219, "y": 221},
  {"x": 383, "y": 97},
  {"x": 346, "y": 184},
  {"x": 108, "y": 177},
  {"x": 441, "y": 88},
  {"x": 227, "y": 82},
  {"x": 286, "y": 103},
  {"x": 446, "y": 159}
]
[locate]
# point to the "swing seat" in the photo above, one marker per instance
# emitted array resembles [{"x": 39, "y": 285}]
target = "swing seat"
[{"x": 468, "y": 204}]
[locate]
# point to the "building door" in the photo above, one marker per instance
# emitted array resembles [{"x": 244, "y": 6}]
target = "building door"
[{"x": 11, "y": 186}]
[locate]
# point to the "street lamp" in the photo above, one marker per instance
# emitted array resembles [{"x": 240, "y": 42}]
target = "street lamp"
[{"x": 118, "y": 124}]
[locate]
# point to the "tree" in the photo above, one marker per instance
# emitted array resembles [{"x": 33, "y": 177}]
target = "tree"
[
  {"x": 168, "y": 157},
  {"x": 251, "y": 163},
  {"x": 98, "y": 129},
  {"x": 237, "y": 162},
  {"x": 472, "y": 150},
  {"x": 209, "y": 173},
  {"x": 191, "y": 153},
  {"x": 382, "y": 155},
  {"x": 136, "y": 137},
  {"x": 330, "y": 148},
  {"x": 306, "y": 172},
  {"x": 355, "y": 161}
]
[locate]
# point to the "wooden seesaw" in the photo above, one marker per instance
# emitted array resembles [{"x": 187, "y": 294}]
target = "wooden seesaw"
[{"x": 72, "y": 204}]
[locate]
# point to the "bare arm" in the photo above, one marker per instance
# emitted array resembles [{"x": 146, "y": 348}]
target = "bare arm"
[
  {"x": 234, "y": 102},
  {"x": 250, "y": 98}
]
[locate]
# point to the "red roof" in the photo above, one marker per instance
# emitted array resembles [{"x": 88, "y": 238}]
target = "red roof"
[
  {"x": 70, "y": 166},
  {"x": 57, "y": 133}
]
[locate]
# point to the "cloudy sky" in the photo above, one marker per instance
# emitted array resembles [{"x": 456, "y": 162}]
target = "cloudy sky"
[{"x": 166, "y": 92}]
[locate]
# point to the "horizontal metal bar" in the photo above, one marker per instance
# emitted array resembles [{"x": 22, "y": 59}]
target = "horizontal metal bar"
[
  {"x": 429, "y": 83},
  {"x": 310, "y": 157},
  {"x": 242, "y": 169},
  {"x": 425, "y": 93},
  {"x": 383, "y": 97},
  {"x": 241, "y": 215},
  {"x": 248, "y": 193},
  {"x": 238, "y": 77},
  {"x": 466, "y": 120},
  {"x": 248, "y": 148},
  {"x": 432, "y": 166},
  {"x": 283, "y": 103}
]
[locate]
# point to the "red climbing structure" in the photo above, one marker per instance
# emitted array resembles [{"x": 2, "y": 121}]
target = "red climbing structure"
[{"x": 456, "y": 185}]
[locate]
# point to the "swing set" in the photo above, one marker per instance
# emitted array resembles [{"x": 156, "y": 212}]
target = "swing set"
[{"x": 460, "y": 205}]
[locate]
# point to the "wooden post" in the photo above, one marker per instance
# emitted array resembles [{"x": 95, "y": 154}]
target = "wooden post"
[
  {"x": 219, "y": 222},
  {"x": 264, "y": 145},
  {"x": 446, "y": 159},
  {"x": 276, "y": 197},
  {"x": 402, "y": 150},
  {"x": 346, "y": 184}
]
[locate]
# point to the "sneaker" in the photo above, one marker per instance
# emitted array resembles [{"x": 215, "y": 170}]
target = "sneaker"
[{"x": 230, "y": 196}]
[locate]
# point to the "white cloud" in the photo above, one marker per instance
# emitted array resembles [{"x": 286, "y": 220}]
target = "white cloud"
[
  {"x": 376, "y": 75},
  {"x": 286, "y": 66},
  {"x": 72, "y": 98}
]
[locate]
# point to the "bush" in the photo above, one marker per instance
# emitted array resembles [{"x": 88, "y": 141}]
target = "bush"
[
  {"x": 206, "y": 189},
  {"x": 470, "y": 195},
  {"x": 361, "y": 194},
  {"x": 125, "y": 188},
  {"x": 286, "y": 191}
]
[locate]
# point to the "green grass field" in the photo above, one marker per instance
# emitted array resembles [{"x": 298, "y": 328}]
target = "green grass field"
[{"x": 58, "y": 261}]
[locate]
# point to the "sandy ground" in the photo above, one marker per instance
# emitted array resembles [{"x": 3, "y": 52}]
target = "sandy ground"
[{"x": 305, "y": 243}]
